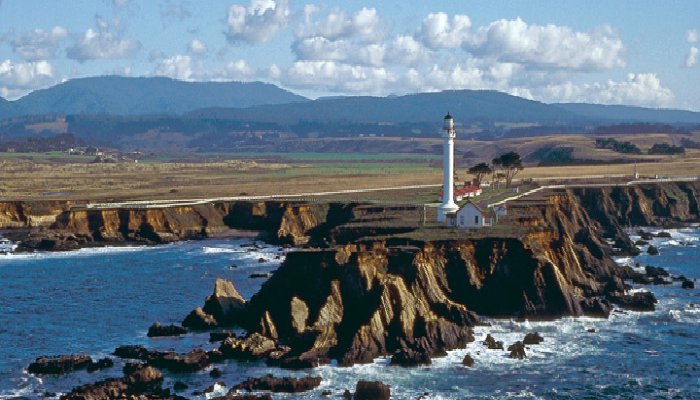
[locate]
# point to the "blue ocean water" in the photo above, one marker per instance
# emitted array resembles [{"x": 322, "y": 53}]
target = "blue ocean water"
[{"x": 91, "y": 301}]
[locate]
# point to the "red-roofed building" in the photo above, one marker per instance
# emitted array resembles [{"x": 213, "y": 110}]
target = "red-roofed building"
[{"x": 465, "y": 192}]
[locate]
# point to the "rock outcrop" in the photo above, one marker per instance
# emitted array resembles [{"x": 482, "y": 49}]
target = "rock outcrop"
[
  {"x": 143, "y": 383},
  {"x": 62, "y": 364},
  {"x": 279, "y": 385},
  {"x": 372, "y": 390}
]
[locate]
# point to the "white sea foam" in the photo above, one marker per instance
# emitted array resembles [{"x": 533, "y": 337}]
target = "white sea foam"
[{"x": 85, "y": 252}]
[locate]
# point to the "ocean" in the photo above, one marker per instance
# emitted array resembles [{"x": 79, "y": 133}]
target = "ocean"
[{"x": 93, "y": 300}]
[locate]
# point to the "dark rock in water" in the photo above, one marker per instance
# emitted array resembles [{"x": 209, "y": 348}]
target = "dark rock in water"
[
  {"x": 641, "y": 243},
  {"x": 347, "y": 394},
  {"x": 225, "y": 304},
  {"x": 261, "y": 260},
  {"x": 195, "y": 360},
  {"x": 221, "y": 336},
  {"x": 688, "y": 284},
  {"x": 144, "y": 383},
  {"x": 652, "y": 250},
  {"x": 591, "y": 330},
  {"x": 662, "y": 281},
  {"x": 407, "y": 357},
  {"x": 296, "y": 363},
  {"x": 215, "y": 373},
  {"x": 260, "y": 275},
  {"x": 59, "y": 364},
  {"x": 198, "y": 319},
  {"x": 158, "y": 330},
  {"x": 639, "y": 301},
  {"x": 517, "y": 350},
  {"x": 468, "y": 361},
  {"x": 492, "y": 344},
  {"x": 180, "y": 386},
  {"x": 326, "y": 393},
  {"x": 133, "y": 352},
  {"x": 253, "y": 347},
  {"x": 663, "y": 234},
  {"x": 656, "y": 272},
  {"x": 372, "y": 390},
  {"x": 596, "y": 307},
  {"x": 645, "y": 235},
  {"x": 102, "y": 363},
  {"x": 279, "y": 385},
  {"x": 642, "y": 279},
  {"x": 533, "y": 338}
]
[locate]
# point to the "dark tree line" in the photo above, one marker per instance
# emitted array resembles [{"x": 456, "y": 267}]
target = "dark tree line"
[{"x": 507, "y": 165}]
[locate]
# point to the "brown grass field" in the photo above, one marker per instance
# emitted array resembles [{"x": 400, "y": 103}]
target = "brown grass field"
[{"x": 47, "y": 177}]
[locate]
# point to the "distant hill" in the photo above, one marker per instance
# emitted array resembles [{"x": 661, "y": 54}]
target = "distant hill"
[
  {"x": 619, "y": 113},
  {"x": 465, "y": 105},
  {"x": 138, "y": 96}
]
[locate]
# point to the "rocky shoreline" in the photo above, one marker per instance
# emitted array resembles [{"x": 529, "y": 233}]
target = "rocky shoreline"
[{"x": 356, "y": 293}]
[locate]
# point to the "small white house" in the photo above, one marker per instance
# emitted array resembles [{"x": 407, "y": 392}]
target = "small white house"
[{"x": 472, "y": 215}]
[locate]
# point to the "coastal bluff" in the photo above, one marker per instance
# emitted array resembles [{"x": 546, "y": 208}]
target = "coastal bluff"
[{"x": 368, "y": 280}]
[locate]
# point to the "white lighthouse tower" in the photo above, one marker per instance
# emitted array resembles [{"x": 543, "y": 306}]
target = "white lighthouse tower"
[{"x": 448, "y": 205}]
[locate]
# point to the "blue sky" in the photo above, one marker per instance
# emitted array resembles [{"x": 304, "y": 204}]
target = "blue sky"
[{"x": 613, "y": 52}]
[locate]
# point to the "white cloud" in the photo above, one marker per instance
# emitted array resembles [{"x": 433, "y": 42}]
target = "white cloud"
[
  {"x": 338, "y": 77},
  {"x": 236, "y": 70},
  {"x": 692, "y": 36},
  {"x": 177, "y": 67},
  {"x": 438, "y": 32},
  {"x": 39, "y": 44},
  {"x": 639, "y": 89},
  {"x": 198, "y": 47},
  {"x": 17, "y": 78},
  {"x": 103, "y": 43},
  {"x": 364, "y": 24},
  {"x": 548, "y": 46},
  {"x": 258, "y": 22},
  {"x": 692, "y": 57},
  {"x": 405, "y": 50}
]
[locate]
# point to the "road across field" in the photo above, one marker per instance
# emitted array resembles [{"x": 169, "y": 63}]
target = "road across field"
[{"x": 189, "y": 202}]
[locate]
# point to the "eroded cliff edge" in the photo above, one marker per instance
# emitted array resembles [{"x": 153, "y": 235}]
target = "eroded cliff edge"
[{"x": 378, "y": 295}]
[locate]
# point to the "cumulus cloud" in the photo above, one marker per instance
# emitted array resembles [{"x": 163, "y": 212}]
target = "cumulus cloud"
[
  {"x": 17, "y": 78},
  {"x": 438, "y": 32},
  {"x": 364, "y": 24},
  {"x": 197, "y": 47},
  {"x": 236, "y": 70},
  {"x": 103, "y": 43},
  {"x": 639, "y": 89},
  {"x": 39, "y": 44},
  {"x": 692, "y": 57},
  {"x": 692, "y": 36},
  {"x": 176, "y": 67},
  {"x": 338, "y": 77},
  {"x": 548, "y": 46},
  {"x": 258, "y": 22}
]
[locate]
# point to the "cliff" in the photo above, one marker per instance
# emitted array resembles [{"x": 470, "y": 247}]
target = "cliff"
[{"x": 357, "y": 301}]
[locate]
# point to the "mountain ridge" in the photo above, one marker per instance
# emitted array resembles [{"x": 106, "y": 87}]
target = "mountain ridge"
[
  {"x": 143, "y": 95},
  {"x": 268, "y": 103}
]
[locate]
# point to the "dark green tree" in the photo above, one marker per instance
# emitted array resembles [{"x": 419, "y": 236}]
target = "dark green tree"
[
  {"x": 510, "y": 163},
  {"x": 480, "y": 170}
]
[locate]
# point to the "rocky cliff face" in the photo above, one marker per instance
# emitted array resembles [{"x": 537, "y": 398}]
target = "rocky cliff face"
[
  {"x": 357, "y": 301},
  {"x": 61, "y": 226}
]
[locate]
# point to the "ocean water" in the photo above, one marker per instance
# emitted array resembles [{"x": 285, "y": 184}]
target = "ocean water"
[{"x": 91, "y": 301}]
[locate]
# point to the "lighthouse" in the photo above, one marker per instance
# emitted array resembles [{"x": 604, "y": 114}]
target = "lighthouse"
[{"x": 448, "y": 205}]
